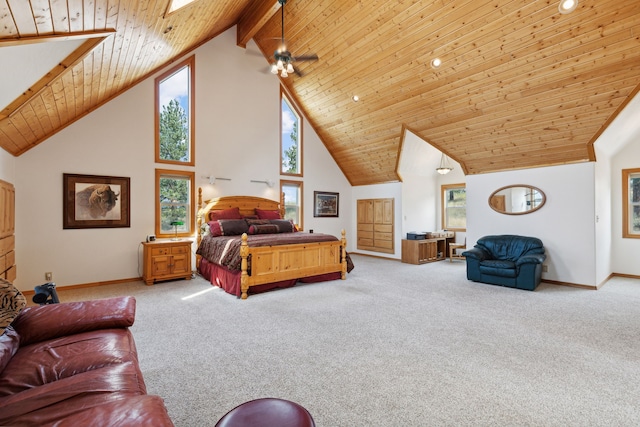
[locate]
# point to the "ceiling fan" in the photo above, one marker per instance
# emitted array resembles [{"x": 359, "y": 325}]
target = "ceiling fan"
[{"x": 283, "y": 59}]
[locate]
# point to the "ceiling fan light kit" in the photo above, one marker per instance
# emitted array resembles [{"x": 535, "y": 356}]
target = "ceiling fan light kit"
[{"x": 283, "y": 59}]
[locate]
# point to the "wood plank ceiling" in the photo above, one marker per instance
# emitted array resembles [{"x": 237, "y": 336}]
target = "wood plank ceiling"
[{"x": 520, "y": 84}]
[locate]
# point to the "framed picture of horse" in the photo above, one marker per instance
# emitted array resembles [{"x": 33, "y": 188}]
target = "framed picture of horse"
[{"x": 93, "y": 201}]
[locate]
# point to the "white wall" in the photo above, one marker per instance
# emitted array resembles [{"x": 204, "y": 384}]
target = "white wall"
[
  {"x": 624, "y": 253},
  {"x": 237, "y": 126},
  {"x": 421, "y": 208},
  {"x": 7, "y": 167},
  {"x": 603, "y": 210},
  {"x": 565, "y": 224}
]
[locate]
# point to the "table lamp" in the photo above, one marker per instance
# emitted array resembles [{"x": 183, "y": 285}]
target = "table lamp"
[{"x": 175, "y": 227}]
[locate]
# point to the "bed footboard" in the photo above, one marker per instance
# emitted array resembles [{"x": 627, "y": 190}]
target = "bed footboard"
[{"x": 275, "y": 263}]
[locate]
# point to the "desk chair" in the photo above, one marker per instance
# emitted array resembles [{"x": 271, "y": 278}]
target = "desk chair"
[{"x": 453, "y": 247}]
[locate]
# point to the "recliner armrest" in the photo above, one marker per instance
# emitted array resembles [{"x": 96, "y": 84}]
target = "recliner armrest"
[
  {"x": 476, "y": 253},
  {"x": 531, "y": 259},
  {"x": 35, "y": 324}
]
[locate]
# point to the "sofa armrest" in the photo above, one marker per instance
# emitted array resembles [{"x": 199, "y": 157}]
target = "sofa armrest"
[
  {"x": 476, "y": 253},
  {"x": 35, "y": 324},
  {"x": 531, "y": 259}
]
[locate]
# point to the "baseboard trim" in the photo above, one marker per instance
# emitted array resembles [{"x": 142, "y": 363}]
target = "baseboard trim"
[
  {"x": 374, "y": 256},
  {"x": 571, "y": 285},
  {"x": 628, "y": 276},
  {"x": 87, "y": 285}
]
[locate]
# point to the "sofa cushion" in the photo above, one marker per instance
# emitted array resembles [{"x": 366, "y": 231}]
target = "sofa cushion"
[
  {"x": 510, "y": 247},
  {"x": 140, "y": 411},
  {"x": 49, "y": 321},
  {"x": 498, "y": 267},
  {"x": 48, "y": 361},
  {"x": 11, "y": 303},
  {"x": 53, "y": 402}
]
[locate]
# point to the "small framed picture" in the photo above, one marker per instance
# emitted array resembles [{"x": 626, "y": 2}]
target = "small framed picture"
[
  {"x": 92, "y": 201},
  {"x": 325, "y": 204}
]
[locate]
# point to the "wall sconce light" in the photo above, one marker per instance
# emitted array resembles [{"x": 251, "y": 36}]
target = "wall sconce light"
[
  {"x": 444, "y": 167},
  {"x": 269, "y": 182},
  {"x": 212, "y": 179}
]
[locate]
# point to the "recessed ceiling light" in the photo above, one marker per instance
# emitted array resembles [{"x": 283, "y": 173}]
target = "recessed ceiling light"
[
  {"x": 436, "y": 62},
  {"x": 567, "y": 6},
  {"x": 355, "y": 98}
]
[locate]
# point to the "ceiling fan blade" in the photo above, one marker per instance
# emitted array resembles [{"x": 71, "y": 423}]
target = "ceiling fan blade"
[
  {"x": 297, "y": 71},
  {"x": 311, "y": 57}
]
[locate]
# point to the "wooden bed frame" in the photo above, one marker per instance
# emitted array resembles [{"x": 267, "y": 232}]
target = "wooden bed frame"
[{"x": 276, "y": 263}]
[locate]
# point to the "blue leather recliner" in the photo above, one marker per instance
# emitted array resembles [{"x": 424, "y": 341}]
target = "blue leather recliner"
[{"x": 506, "y": 260}]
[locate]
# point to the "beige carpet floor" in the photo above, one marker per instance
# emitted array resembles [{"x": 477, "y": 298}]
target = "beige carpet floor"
[{"x": 394, "y": 345}]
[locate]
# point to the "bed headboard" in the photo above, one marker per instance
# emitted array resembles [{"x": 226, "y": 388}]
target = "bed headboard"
[{"x": 246, "y": 205}]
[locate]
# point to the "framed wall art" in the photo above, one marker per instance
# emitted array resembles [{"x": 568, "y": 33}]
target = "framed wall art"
[
  {"x": 325, "y": 204},
  {"x": 93, "y": 201}
]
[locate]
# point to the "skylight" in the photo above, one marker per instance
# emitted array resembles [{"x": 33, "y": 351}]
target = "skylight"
[{"x": 177, "y": 4}]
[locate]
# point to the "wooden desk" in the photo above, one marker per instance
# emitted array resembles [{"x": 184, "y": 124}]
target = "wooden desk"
[{"x": 427, "y": 250}]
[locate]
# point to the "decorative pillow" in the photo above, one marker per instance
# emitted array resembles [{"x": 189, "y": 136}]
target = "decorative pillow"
[
  {"x": 263, "y": 229},
  {"x": 233, "y": 227},
  {"x": 258, "y": 221},
  {"x": 214, "y": 228},
  {"x": 251, "y": 217},
  {"x": 271, "y": 226},
  {"x": 11, "y": 303},
  {"x": 284, "y": 225},
  {"x": 262, "y": 214},
  {"x": 205, "y": 229},
  {"x": 231, "y": 213}
]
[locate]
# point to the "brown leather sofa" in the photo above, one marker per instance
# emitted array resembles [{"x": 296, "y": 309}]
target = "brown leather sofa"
[{"x": 75, "y": 364}]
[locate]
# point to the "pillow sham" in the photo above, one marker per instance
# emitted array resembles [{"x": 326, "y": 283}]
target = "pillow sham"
[
  {"x": 214, "y": 228},
  {"x": 233, "y": 227},
  {"x": 284, "y": 225},
  {"x": 11, "y": 303},
  {"x": 264, "y": 214},
  {"x": 231, "y": 213},
  {"x": 271, "y": 226},
  {"x": 263, "y": 229}
]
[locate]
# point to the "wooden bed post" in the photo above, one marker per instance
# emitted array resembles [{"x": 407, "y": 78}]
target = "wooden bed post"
[
  {"x": 343, "y": 255},
  {"x": 281, "y": 207},
  {"x": 244, "y": 276},
  {"x": 199, "y": 216}
]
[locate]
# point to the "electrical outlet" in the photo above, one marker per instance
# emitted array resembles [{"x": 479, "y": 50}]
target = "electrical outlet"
[
  {"x": 545, "y": 268},
  {"x": 48, "y": 276}
]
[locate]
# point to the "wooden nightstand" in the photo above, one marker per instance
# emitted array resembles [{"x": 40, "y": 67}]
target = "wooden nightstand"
[{"x": 166, "y": 260}]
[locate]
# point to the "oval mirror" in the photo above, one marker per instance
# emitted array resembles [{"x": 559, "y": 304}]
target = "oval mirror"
[{"x": 517, "y": 199}]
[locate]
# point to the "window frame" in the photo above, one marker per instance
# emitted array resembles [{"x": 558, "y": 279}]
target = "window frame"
[
  {"x": 161, "y": 173},
  {"x": 443, "y": 191},
  {"x": 627, "y": 205},
  {"x": 300, "y": 185},
  {"x": 284, "y": 97},
  {"x": 191, "y": 63}
]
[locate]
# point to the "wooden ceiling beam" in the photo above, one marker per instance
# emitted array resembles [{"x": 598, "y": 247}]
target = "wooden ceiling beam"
[
  {"x": 55, "y": 37},
  {"x": 253, "y": 18},
  {"x": 75, "y": 57}
]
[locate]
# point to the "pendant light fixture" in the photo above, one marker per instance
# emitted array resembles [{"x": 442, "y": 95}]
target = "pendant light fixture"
[{"x": 445, "y": 166}]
